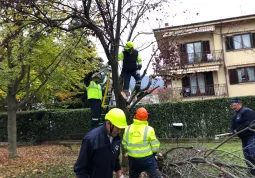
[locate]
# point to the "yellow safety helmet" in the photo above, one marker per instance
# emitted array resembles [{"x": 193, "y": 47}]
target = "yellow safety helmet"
[
  {"x": 117, "y": 117},
  {"x": 129, "y": 45}
]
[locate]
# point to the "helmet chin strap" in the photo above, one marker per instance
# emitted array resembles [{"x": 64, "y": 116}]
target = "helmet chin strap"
[
  {"x": 111, "y": 128},
  {"x": 130, "y": 50}
]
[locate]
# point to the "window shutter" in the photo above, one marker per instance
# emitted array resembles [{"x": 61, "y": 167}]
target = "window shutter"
[
  {"x": 183, "y": 54},
  {"x": 229, "y": 43},
  {"x": 183, "y": 48},
  {"x": 206, "y": 46},
  {"x": 205, "y": 50},
  {"x": 185, "y": 81},
  {"x": 233, "y": 78},
  {"x": 253, "y": 40}
]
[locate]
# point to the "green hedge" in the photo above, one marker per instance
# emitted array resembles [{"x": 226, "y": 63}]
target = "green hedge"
[
  {"x": 47, "y": 125},
  {"x": 200, "y": 118},
  {"x": 203, "y": 118},
  {"x": 64, "y": 124}
]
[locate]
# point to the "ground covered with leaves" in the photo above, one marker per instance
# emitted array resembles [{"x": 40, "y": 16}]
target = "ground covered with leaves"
[
  {"x": 56, "y": 161},
  {"x": 39, "y": 161}
]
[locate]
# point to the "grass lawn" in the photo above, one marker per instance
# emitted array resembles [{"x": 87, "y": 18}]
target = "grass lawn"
[
  {"x": 57, "y": 161},
  {"x": 229, "y": 147}
]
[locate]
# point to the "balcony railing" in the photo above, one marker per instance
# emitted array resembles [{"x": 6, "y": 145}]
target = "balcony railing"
[
  {"x": 201, "y": 90},
  {"x": 201, "y": 57}
]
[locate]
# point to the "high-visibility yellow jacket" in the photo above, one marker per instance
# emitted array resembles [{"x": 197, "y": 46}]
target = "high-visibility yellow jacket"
[
  {"x": 131, "y": 61},
  {"x": 139, "y": 139},
  {"x": 94, "y": 91}
]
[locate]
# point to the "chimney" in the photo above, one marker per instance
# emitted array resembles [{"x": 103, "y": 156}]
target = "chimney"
[{"x": 166, "y": 24}]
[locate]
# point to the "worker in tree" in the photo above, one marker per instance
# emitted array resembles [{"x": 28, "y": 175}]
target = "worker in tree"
[
  {"x": 100, "y": 149},
  {"x": 94, "y": 94},
  {"x": 132, "y": 64},
  {"x": 141, "y": 144}
]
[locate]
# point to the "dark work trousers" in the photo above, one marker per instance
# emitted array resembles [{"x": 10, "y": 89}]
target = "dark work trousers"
[
  {"x": 147, "y": 164},
  {"x": 95, "y": 107},
  {"x": 127, "y": 76},
  {"x": 248, "y": 144}
]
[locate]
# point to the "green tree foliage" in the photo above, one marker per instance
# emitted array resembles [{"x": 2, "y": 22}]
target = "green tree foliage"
[
  {"x": 35, "y": 64},
  {"x": 50, "y": 58}
]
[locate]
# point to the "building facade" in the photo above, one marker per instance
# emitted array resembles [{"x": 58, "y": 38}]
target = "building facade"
[{"x": 216, "y": 58}]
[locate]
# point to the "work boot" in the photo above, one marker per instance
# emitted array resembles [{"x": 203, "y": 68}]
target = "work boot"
[
  {"x": 138, "y": 85},
  {"x": 125, "y": 94}
]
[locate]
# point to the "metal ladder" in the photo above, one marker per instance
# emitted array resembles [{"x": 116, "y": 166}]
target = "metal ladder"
[{"x": 107, "y": 99}]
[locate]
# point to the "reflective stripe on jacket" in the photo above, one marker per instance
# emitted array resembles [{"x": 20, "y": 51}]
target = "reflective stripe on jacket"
[
  {"x": 140, "y": 140},
  {"x": 94, "y": 91}
]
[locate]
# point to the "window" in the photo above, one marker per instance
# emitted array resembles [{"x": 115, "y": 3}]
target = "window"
[
  {"x": 246, "y": 75},
  {"x": 242, "y": 75},
  {"x": 194, "y": 52},
  {"x": 237, "y": 42},
  {"x": 242, "y": 41},
  {"x": 246, "y": 41},
  {"x": 194, "y": 83}
]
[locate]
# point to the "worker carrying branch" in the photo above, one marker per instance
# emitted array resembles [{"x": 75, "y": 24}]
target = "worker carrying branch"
[{"x": 132, "y": 64}]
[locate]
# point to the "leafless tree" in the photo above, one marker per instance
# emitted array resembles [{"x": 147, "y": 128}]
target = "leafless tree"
[{"x": 107, "y": 20}]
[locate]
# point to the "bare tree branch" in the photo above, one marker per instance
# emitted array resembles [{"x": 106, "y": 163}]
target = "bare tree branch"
[
  {"x": 141, "y": 33},
  {"x": 142, "y": 96},
  {"x": 140, "y": 13}
]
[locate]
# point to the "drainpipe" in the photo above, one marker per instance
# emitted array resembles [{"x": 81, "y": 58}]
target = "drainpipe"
[{"x": 224, "y": 62}]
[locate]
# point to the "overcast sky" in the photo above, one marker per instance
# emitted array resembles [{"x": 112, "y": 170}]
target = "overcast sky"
[{"x": 185, "y": 12}]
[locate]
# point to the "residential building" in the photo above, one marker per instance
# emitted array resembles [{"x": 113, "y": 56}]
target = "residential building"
[{"x": 215, "y": 58}]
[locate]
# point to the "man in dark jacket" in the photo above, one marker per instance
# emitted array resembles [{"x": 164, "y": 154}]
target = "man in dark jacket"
[
  {"x": 100, "y": 149},
  {"x": 94, "y": 94},
  {"x": 243, "y": 118},
  {"x": 132, "y": 64}
]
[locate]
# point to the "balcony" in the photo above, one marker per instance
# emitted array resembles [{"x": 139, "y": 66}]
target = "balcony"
[
  {"x": 201, "y": 57},
  {"x": 183, "y": 63},
  {"x": 216, "y": 90}
]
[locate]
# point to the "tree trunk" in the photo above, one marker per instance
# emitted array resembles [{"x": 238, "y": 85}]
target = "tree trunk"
[
  {"x": 120, "y": 103},
  {"x": 12, "y": 128}
]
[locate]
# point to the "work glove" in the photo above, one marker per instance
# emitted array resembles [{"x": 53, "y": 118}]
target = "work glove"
[
  {"x": 94, "y": 75},
  {"x": 119, "y": 174},
  {"x": 138, "y": 72},
  {"x": 233, "y": 132},
  {"x": 139, "y": 67},
  {"x": 158, "y": 156}
]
